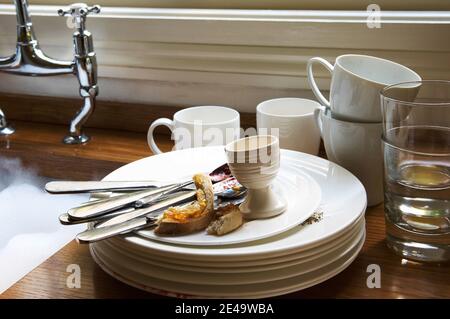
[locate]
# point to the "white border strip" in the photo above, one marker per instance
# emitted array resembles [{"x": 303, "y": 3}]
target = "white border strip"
[{"x": 320, "y": 16}]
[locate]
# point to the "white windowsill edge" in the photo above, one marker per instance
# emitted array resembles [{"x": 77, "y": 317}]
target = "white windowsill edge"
[{"x": 252, "y": 15}]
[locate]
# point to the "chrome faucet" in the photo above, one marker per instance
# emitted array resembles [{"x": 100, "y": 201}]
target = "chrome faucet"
[
  {"x": 5, "y": 129},
  {"x": 30, "y": 60}
]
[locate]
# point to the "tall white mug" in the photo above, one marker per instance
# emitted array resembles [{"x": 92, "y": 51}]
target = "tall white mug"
[
  {"x": 356, "y": 83},
  {"x": 356, "y": 147},
  {"x": 199, "y": 126},
  {"x": 292, "y": 121}
]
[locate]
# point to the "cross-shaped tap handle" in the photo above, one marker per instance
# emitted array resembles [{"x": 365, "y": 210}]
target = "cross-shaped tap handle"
[{"x": 79, "y": 12}]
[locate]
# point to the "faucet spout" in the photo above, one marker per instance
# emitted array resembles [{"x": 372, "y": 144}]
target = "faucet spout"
[{"x": 76, "y": 136}]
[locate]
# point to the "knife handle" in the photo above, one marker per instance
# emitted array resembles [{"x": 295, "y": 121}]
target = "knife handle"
[
  {"x": 96, "y": 234},
  {"x": 71, "y": 187},
  {"x": 65, "y": 219}
]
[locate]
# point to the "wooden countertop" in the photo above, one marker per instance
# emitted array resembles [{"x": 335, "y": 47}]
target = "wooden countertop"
[{"x": 38, "y": 145}]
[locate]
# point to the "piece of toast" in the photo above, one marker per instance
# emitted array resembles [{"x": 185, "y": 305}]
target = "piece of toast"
[
  {"x": 193, "y": 217},
  {"x": 228, "y": 219}
]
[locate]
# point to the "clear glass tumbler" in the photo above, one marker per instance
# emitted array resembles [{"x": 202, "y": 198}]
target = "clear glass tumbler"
[{"x": 416, "y": 148}]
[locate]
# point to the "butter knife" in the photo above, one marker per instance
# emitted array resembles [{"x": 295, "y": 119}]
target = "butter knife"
[
  {"x": 139, "y": 218},
  {"x": 96, "y": 208},
  {"x": 70, "y": 187}
]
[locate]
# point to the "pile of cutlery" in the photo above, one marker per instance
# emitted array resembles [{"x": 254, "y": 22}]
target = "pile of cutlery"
[{"x": 121, "y": 207}]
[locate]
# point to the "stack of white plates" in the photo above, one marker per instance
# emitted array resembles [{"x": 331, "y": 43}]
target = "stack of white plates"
[{"x": 261, "y": 259}]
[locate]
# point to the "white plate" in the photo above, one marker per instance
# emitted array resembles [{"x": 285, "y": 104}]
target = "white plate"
[
  {"x": 260, "y": 290},
  {"x": 301, "y": 192},
  {"x": 236, "y": 266},
  {"x": 343, "y": 202},
  {"x": 194, "y": 276}
]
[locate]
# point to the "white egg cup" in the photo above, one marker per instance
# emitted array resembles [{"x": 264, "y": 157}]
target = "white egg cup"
[{"x": 255, "y": 162}]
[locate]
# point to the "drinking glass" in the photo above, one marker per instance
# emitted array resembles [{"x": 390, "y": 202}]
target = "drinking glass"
[{"x": 416, "y": 150}]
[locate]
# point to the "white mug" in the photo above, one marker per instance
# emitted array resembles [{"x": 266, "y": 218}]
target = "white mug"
[
  {"x": 293, "y": 118},
  {"x": 199, "y": 126},
  {"x": 356, "y": 147},
  {"x": 356, "y": 83}
]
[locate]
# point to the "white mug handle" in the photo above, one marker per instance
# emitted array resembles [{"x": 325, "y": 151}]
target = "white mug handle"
[
  {"x": 317, "y": 116},
  {"x": 150, "y": 139},
  {"x": 312, "y": 82}
]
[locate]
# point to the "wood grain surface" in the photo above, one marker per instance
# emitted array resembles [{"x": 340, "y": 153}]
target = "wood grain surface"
[{"x": 39, "y": 145}]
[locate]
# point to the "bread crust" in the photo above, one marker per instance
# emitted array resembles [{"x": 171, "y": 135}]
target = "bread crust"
[
  {"x": 193, "y": 217},
  {"x": 229, "y": 218}
]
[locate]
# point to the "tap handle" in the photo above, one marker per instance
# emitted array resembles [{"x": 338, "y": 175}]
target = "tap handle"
[
  {"x": 79, "y": 9},
  {"x": 95, "y": 9},
  {"x": 79, "y": 13}
]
